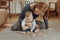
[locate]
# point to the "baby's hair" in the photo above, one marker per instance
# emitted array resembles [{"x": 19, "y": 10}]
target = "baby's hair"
[{"x": 28, "y": 13}]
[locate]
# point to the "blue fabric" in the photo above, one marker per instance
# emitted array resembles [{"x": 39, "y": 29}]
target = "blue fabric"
[{"x": 25, "y": 9}]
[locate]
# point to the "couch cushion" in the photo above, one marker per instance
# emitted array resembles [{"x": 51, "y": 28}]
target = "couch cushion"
[{"x": 3, "y": 16}]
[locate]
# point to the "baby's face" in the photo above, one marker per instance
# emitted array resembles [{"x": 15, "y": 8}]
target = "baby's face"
[{"x": 29, "y": 18}]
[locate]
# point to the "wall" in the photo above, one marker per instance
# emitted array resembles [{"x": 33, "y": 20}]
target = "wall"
[{"x": 15, "y": 6}]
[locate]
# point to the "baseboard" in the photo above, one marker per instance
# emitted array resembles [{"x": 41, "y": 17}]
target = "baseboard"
[{"x": 14, "y": 14}]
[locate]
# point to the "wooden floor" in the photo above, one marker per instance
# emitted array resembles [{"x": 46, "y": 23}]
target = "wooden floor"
[
  {"x": 53, "y": 32},
  {"x": 14, "y": 19}
]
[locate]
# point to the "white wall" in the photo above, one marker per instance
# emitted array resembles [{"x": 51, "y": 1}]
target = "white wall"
[{"x": 15, "y": 6}]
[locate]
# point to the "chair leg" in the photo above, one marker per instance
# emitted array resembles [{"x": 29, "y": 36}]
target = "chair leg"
[{"x": 56, "y": 14}]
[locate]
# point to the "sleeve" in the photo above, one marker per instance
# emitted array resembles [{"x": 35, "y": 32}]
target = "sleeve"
[
  {"x": 33, "y": 26},
  {"x": 23, "y": 23}
]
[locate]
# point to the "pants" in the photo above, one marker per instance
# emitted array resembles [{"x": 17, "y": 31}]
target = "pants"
[
  {"x": 40, "y": 24},
  {"x": 46, "y": 22},
  {"x": 16, "y": 27}
]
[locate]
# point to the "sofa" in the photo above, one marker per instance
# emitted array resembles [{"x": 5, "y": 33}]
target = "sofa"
[{"x": 3, "y": 16}]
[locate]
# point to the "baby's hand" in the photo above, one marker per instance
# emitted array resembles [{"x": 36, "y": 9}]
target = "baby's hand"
[
  {"x": 25, "y": 28},
  {"x": 28, "y": 24}
]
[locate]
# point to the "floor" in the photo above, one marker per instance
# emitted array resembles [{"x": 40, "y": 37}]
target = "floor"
[{"x": 53, "y": 33}]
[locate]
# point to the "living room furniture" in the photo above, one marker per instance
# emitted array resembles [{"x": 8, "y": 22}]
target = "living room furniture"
[
  {"x": 53, "y": 9},
  {"x": 4, "y": 8},
  {"x": 3, "y": 16},
  {"x": 58, "y": 7}
]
